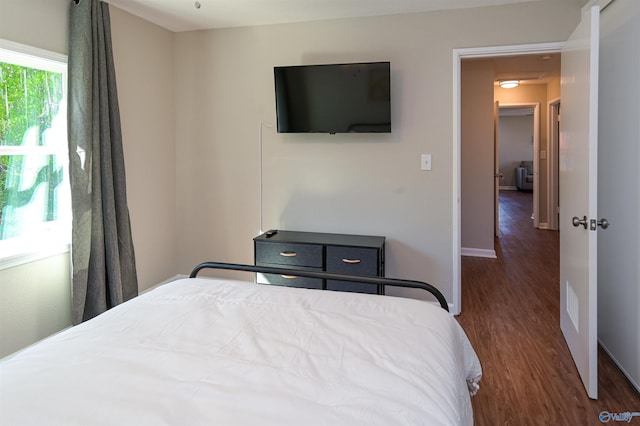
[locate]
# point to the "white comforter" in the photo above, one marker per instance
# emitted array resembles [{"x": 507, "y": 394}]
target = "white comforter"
[{"x": 203, "y": 352}]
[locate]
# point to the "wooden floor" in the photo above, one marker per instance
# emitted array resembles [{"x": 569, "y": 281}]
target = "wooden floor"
[{"x": 510, "y": 311}]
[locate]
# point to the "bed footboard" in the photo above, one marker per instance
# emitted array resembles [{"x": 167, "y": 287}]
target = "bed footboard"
[{"x": 394, "y": 282}]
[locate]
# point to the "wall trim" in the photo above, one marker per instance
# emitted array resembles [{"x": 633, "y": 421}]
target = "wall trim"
[
  {"x": 476, "y": 252},
  {"x": 507, "y": 188},
  {"x": 553, "y": 142}
]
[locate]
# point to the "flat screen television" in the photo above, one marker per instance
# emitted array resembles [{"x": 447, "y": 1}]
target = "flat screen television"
[{"x": 336, "y": 98}]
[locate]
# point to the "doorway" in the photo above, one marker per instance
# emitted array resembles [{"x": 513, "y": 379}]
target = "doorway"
[
  {"x": 459, "y": 55},
  {"x": 517, "y": 162}
]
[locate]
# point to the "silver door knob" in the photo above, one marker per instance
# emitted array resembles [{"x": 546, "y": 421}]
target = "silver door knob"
[
  {"x": 576, "y": 221},
  {"x": 603, "y": 223}
]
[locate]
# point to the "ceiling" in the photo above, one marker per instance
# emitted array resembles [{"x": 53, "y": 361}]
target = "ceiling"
[
  {"x": 528, "y": 69},
  {"x": 185, "y": 15}
]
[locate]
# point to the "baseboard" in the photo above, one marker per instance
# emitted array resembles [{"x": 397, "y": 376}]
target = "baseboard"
[
  {"x": 507, "y": 188},
  {"x": 620, "y": 367},
  {"x": 474, "y": 252},
  {"x": 543, "y": 226}
]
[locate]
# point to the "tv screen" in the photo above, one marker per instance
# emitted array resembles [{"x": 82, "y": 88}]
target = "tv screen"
[{"x": 340, "y": 98}]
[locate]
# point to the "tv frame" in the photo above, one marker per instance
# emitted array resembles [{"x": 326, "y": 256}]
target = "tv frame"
[{"x": 383, "y": 91}]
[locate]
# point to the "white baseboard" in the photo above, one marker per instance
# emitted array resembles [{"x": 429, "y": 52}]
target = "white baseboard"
[
  {"x": 508, "y": 188},
  {"x": 543, "y": 225},
  {"x": 475, "y": 252}
]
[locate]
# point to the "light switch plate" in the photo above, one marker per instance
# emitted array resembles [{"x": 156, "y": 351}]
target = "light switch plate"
[{"x": 425, "y": 162}]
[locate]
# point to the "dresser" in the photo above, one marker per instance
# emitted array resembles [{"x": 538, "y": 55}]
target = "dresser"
[{"x": 335, "y": 253}]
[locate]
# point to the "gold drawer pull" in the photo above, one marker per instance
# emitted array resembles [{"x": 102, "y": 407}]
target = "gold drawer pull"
[
  {"x": 288, "y": 253},
  {"x": 352, "y": 261},
  {"x": 289, "y": 277}
]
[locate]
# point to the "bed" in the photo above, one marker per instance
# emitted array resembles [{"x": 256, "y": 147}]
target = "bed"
[{"x": 207, "y": 351}]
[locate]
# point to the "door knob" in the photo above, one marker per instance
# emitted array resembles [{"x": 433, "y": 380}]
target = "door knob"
[
  {"x": 576, "y": 221},
  {"x": 603, "y": 223}
]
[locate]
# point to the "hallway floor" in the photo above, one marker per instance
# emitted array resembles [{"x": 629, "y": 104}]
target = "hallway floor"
[{"x": 510, "y": 311}]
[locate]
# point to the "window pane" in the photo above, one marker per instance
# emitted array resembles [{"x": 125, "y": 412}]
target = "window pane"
[
  {"x": 34, "y": 188},
  {"x": 34, "y": 194}
]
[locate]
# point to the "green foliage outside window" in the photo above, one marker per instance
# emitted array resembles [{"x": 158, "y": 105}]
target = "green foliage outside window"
[
  {"x": 29, "y": 101},
  {"x": 30, "y": 97}
]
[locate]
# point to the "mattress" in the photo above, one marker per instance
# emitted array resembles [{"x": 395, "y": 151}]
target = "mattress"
[{"x": 221, "y": 352}]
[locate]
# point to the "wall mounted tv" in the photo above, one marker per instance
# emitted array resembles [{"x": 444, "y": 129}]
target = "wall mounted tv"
[{"x": 337, "y": 98}]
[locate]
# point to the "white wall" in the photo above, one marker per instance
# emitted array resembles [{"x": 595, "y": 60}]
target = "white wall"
[
  {"x": 363, "y": 184},
  {"x": 516, "y": 145},
  {"x": 618, "y": 183}
]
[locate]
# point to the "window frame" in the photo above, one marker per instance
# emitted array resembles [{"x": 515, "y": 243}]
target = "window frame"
[{"x": 26, "y": 249}]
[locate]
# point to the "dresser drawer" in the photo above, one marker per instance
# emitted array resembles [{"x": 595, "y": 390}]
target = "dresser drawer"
[
  {"x": 353, "y": 261},
  {"x": 289, "y": 254},
  {"x": 289, "y": 281}
]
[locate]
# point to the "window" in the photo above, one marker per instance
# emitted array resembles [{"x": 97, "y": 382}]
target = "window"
[{"x": 35, "y": 202}]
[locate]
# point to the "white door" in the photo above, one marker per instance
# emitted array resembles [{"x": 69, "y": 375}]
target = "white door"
[{"x": 578, "y": 186}]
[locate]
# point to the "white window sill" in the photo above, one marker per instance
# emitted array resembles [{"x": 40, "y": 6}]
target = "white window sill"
[{"x": 21, "y": 257}]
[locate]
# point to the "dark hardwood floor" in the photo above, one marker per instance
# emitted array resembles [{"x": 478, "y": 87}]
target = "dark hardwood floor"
[{"x": 510, "y": 311}]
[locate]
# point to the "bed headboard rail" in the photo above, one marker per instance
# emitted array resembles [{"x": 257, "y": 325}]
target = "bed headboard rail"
[{"x": 326, "y": 276}]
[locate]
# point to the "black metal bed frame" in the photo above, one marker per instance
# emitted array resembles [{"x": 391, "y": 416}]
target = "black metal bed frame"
[{"x": 379, "y": 281}]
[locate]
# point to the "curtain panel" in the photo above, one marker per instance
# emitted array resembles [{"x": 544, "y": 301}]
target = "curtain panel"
[{"x": 103, "y": 260}]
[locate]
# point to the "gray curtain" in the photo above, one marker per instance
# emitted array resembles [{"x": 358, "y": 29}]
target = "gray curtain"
[{"x": 104, "y": 270}]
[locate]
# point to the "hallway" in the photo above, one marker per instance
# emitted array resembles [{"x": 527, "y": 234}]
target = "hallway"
[{"x": 510, "y": 312}]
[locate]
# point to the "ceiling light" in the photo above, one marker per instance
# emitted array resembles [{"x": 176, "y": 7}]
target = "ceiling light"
[{"x": 509, "y": 84}]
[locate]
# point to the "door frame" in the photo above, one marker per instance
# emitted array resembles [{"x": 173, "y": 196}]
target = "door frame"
[
  {"x": 458, "y": 56},
  {"x": 553, "y": 143}
]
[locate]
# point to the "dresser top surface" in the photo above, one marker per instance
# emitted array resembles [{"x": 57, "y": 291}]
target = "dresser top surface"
[{"x": 323, "y": 238}]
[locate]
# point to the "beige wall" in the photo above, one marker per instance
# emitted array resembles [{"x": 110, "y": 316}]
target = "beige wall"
[
  {"x": 35, "y": 301},
  {"x": 477, "y": 155},
  {"x": 367, "y": 184},
  {"x": 38, "y": 23},
  {"x": 143, "y": 55},
  {"x": 516, "y": 145}
]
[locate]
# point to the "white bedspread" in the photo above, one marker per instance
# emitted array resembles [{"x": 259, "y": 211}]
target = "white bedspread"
[{"x": 203, "y": 352}]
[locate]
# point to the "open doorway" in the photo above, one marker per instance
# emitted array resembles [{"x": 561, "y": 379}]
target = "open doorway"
[
  {"x": 517, "y": 142},
  {"x": 485, "y": 62}
]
